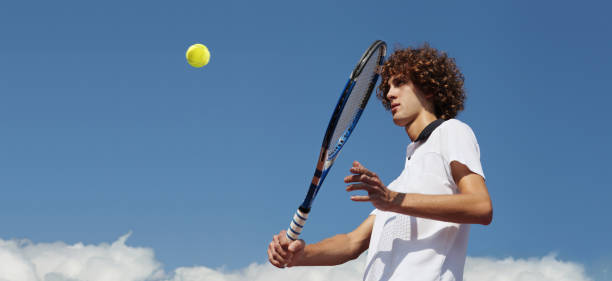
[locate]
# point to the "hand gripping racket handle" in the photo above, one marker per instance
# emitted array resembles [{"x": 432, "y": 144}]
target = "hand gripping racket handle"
[{"x": 297, "y": 224}]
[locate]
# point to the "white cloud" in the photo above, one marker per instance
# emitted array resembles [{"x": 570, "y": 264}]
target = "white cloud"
[
  {"x": 265, "y": 272},
  {"x": 22, "y": 260},
  {"x": 533, "y": 269}
]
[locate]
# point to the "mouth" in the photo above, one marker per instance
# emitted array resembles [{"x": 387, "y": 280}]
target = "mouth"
[{"x": 394, "y": 107}]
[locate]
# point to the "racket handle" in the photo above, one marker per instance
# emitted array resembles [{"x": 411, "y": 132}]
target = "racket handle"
[{"x": 297, "y": 224}]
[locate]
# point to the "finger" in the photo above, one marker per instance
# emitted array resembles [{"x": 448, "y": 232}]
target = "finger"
[
  {"x": 355, "y": 178},
  {"x": 282, "y": 238},
  {"x": 297, "y": 245},
  {"x": 374, "y": 181},
  {"x": 351, "y": 178},
  {"x": 278, "y": 241},
  {"x": 277, "y": 257},
  {"x": 363, "y": 179},
  {"x": 272, "y": 260},
  {"x": 278, "y": 248},
  {"x": 365, "y": 187},
  {"x": 361, "y": 198},
  {"x": 362, "y": 170}
]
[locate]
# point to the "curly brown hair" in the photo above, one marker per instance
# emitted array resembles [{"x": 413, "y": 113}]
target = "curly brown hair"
[{"x": 432, "y": 71}]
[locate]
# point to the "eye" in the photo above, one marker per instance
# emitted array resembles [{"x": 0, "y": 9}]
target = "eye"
[{"x": 399, "y": 81}]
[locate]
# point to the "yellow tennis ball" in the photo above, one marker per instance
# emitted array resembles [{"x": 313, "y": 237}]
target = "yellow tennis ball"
[{"x": 197, "y": 55}]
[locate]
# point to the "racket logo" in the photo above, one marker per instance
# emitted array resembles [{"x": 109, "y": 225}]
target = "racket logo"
[
  {"x": 345, "y": 136},
  {"x": 334, "y": 152},
  {"x": 338, "y": 146}
]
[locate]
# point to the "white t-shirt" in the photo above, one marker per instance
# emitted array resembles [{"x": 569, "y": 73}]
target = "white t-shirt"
[{"x": 410, "y": 248}]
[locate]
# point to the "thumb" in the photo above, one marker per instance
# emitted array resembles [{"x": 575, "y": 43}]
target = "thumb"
[{"x": 297, "y": 245}]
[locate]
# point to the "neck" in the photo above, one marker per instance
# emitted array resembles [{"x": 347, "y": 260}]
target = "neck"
[{"x": 419, "y": 123}]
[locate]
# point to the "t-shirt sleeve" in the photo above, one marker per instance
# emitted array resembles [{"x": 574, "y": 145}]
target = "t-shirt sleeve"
[
  {"x": 459, "y": 144},
  {"x": 374, "y": 212}
]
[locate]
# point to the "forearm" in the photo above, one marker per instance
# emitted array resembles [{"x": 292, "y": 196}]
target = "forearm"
[
  {"x": 471, "y": 205},
  {"x": 331, "y": 251},
  {"x": 457, "y": 208}
]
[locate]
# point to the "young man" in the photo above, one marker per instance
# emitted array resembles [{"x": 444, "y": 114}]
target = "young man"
[{"x": 419, "y": 229}]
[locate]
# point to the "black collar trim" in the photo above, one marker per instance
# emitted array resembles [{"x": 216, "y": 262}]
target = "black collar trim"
[{"x": 429, "y": 129}]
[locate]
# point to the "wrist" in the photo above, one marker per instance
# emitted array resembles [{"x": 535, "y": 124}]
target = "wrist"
[{"x": 397, "y": 199}]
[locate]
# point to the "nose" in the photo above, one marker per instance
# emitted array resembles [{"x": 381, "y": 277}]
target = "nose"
[{"x": 392, "y": 94}]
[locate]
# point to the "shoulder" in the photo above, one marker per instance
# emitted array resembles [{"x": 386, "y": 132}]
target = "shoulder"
[
  {"x": 457, "y": 135},
  {"x": 454, "y": 128},
  {"x": 458, "y": 143},
  {"x": 455, "y": 125}
]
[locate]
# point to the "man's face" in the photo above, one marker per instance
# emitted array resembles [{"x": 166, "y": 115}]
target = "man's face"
[{"x": 406, "y": 102}]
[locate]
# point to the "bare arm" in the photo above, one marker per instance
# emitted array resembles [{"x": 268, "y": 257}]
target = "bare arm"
[
  {"x": 331, "y": 251},
  {"x": 471, "y": 205},
  {"x": 340, "y": 248}
]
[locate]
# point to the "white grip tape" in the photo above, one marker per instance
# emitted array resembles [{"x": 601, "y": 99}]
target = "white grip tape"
[{"x": 297, "y": 224}]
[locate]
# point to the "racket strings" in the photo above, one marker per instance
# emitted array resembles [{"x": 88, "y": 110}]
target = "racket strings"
[{"x": 355, "y": 104}]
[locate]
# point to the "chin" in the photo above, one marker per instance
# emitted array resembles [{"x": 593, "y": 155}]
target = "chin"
[{"x": 400, "y": 122}]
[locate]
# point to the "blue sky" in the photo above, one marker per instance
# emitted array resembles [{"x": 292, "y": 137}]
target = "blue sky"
[{"x": 104, "y": 127}]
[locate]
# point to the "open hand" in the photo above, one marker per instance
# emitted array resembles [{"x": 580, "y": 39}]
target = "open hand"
[{"x": 381, "y": 197}]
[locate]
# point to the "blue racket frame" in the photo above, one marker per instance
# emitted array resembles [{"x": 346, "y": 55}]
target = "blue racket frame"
[{"x": 325, "y": 160}]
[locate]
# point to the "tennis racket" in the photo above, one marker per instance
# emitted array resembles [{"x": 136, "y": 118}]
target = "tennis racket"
[{"x": 351, "y": 104}]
